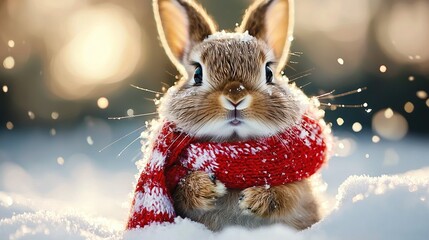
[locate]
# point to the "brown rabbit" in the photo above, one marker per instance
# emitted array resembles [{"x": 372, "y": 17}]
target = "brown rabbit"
[{"x": 232, "y": 90}]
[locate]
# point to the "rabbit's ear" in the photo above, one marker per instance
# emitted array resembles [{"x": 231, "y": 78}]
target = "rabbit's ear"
[
  {"x": 180, "y": 24},
  {"x": 271, "y": 21}
]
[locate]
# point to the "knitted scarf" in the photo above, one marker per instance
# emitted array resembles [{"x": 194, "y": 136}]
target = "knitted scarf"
[{"x": 286, "y": 157}]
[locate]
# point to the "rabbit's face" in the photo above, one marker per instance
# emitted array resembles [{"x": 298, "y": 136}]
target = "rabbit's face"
[
  {"x": 231, "y": 87},
  {"x": 232, "y": 91}
]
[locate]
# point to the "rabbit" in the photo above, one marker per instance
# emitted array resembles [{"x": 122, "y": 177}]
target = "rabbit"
[{"x": 232, "y": 89}]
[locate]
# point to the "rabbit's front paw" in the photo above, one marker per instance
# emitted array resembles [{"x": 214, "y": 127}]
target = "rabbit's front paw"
[
  {"x": 199, "y": 191},
  {"x": 266, "y": 201}
]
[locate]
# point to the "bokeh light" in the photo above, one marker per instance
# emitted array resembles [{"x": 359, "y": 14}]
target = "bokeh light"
[
  {"x": 383, "y": 68},
  {"x": 409, "y": 107},
  {"x": 357, "y": 127},
  {"x": 9, "y": 62},
  {"x": 344, "y": 147},
  {"x": 340, "y": 121},
  {"x": 60, "y": 161},
  {"x": 341, "y": 14},
  {"x": 130, "y": 112},
  {"x": 391, "y": 157},
  {"x": 9, "y": 125},
  {"x": 5, "y": 88},
  {"x": 49, "y": 7},
  {"x": 388, "y": 113},
  {"x": 422, "y": 94},
  {"x": 31, "y": 115},
  {"x": 89, "y": 140},
  {"x": 340, "y": 25},
  {"x": 53, "y": 132},
  {"x": 103, "y": 103},
  {"x": 402, "y": 31},
  {"x": 103, "y": 47},
  {"x": 375, "y": 139},
  {"x": 11, "y": 43},
  {"x": 55, "y": 115},
  {"x": 389, "y": 124}
]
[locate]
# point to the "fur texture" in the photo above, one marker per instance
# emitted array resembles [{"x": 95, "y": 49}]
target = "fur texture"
[
  {"x": 205, "y": 201},
  {"x": 234, "y": 101},
  {"x": 200, "y": 111}
]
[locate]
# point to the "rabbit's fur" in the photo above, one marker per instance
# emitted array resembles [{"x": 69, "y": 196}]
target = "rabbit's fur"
[{"x": 234, "y": 101}]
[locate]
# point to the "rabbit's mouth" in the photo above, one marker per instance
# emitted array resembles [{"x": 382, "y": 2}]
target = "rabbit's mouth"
[
  {"x": 234, "y": 117},
  {"x": 235, "y": 122}
]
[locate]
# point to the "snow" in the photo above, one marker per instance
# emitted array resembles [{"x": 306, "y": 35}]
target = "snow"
[
  {"x": 53, "y": 225},
  {"x": 243, "y": 37},
  {"x": 389, "y": 205},
  {"x": 386, "y": 207},
  {"x": 82, "y": 200}
]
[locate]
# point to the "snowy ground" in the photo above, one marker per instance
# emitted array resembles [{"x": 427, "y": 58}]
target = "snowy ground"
[{"x": 86, "y": 196}]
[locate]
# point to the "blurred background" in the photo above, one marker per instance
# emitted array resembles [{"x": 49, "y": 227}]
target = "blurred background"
[
  {"x": 67, "y": 66},
  {"x": 65, "y": 61}
]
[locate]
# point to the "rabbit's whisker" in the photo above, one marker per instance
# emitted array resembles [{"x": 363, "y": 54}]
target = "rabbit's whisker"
[
  {"x": 126, "y": 147},
  {"x": 287, "y": 65},
  {"x": 165, "y": 137},
  {"x": 321, "y": 96},
  {"x": 296, "y": 54},
  {"x": 282, "y": 141},
  {"x": 343, "y": 105},
  {"x": 145, "y": 89},
  {"x": 305, "y": 85},
  {"x": 126, "y": 135},
  {"x": 329, "y": 96},
  {"x": 150, "y": 99},
  {"x": 165, "y": 84},
  {"x": 171, "y": 74},
  {"x": 174, "y": 141},
  {"x": 298, "y": 76},
  {"x": 133, "y": 116}
]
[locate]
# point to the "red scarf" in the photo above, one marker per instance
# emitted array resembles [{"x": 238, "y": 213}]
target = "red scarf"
[{"x": 287, "y": 157}]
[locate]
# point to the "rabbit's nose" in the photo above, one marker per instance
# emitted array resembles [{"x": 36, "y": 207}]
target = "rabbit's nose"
[
  {"x": 235, "y": 92},
  {"x": 235, "y": 96}
]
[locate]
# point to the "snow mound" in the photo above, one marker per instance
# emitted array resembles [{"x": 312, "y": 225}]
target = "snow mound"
[
  {"x": 52, "y": 225},
  {"x": 386, "y": 207},
  {"x": 184, "y": 229}
]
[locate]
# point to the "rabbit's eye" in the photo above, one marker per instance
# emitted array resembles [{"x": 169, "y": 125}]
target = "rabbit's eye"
[
  {"x": 198, "y": 75},
  {"x": 268, "y": 74}
]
